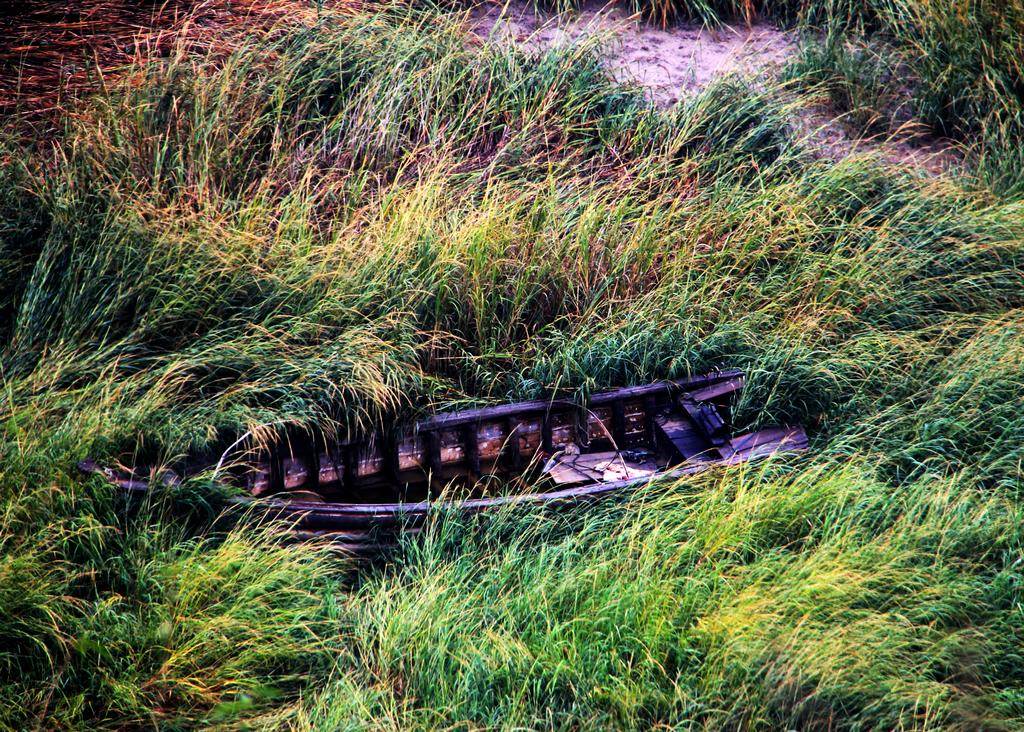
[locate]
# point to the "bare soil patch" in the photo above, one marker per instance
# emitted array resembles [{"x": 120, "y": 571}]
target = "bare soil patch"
[
  {"x": 52, "y": 52},
  {"x": 677, "y": 62},
  {"x": 672, "y": 63}
]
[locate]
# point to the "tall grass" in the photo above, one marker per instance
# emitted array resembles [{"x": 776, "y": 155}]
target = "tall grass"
[
  {"x": 747, "y": 601},
  {"x": 951, "y": 66},
  {"x": 368, "y": 217},
  {"x": 947, "y": 68}
]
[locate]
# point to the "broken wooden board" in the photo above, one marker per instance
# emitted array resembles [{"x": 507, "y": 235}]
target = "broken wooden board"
[
  {"x": 680, "y": 432},
  {"x": 763, "y": 442},
  {"x": 706, "y": 418},
  {"x": 603, "y": 467}
]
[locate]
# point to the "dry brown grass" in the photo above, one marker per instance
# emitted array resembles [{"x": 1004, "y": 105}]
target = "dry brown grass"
[{"x": 52, "y": 52}]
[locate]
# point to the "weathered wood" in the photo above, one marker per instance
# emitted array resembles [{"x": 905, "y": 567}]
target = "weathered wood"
[
  {"x": 717, "y": 389},
  {"x": 674, "y": 425},
  {"x": 433, "y": 446},
  {"x": 469, "y": 441},
  {"x": 679, "y": 432},
  {"x": 512, "y": 453},
  {"x": 764, "y": 442},
  {"x": 547, "y": 438},
  {"x": 501, "y": 411},
  {"x": 707, "y": 419},
  {"x": 309, "y": 458},
  {"x": 350, "y": 459},
  {"x": 277, "y": 472},
  {"x": 619, "y": 421}
]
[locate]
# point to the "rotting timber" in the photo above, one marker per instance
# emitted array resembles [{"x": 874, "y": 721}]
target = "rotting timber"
[{"x": 539, "y": 452}]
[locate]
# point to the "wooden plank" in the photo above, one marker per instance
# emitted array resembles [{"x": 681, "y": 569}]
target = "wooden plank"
[
  {"x": 679, "y": 432},
  {"x": 389, "y": 453},
  {"x": 764, "y": 442},
  {"x": 350, "y": 460},
  {"x": 716, "y": 390},
  {"x": 598, "y": 467},
  {"x": 567, "y": 474},
  {"x": 299, "y": 494},
  {"x": 619, "y": 422},
  {"x": 276, "y": 472},
  {"x": 328, "y": 469},
  {"x": 453, "y": 452},
  {"x": 490, "y": 437},
  {"x": 295, "y": 473},
  {"x": 369, "y": 460},
  {"x": 591, "y": 460},
  {"x": 470, "y": 445},
  {"x": 572, "y": 469},
  {"x": 650, "y": 428},
  {"x": 432, "y": 444},
  {"x": 501, "y": 411},
  {"x": 511, "y": 452},
  {"x": 528, "y": 437},
  {"x": 306, "y": 454},
  {"x": 546, "y": 439},
  {"x": 635, "y": 426},
  {"x": 706, "y": 418}
]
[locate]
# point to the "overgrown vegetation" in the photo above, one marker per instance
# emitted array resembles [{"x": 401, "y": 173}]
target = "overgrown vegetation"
[
  {"x": 955, "y": 67},
  {"x": 368, "y": 216},
  {"x": 942, "y": 68}
]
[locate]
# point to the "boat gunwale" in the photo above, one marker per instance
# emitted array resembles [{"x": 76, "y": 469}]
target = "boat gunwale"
[
  {"x": 499, "y": 411},
  {"x": 394, "y": 513}
]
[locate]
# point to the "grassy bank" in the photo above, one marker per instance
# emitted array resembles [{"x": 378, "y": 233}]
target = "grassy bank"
[
  {"x": 943, "y": 68},
  {"x": 370, "y": 217},
  {"x": 953, "y": 68}
]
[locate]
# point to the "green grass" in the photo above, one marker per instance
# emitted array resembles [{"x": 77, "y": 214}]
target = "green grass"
[
  {"x": 944, "y": 68},
  {"x": 371, "y": 218},
  {"x": 952, "y": 67}
]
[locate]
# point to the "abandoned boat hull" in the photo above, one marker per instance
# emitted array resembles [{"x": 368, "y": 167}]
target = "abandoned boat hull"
[
  {"x": 469, "y": 444},
  {"x": 340, "y": 516},
  {"x": 360, "y": 493}
]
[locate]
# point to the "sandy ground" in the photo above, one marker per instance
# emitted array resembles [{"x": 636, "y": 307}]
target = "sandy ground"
[
  {"x": 41, "y": 61},
  {"x": 675, "y": 63},
  {"x": 672, "y": 64}
]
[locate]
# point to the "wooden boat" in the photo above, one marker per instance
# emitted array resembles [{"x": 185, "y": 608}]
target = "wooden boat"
[{"x": 550, "y": 451}]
